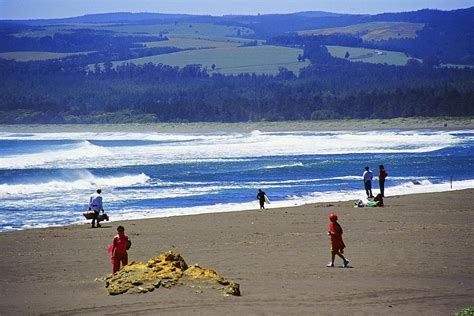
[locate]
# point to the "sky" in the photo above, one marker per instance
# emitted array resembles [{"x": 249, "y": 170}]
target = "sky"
[{"x": 46, "y": 9}]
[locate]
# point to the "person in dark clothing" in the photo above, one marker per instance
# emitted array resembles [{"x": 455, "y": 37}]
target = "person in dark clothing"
[
  {"x": 261, "y": 198},
  {"x": 382, "y": 175},
  {"x": 378, "y": 200}
]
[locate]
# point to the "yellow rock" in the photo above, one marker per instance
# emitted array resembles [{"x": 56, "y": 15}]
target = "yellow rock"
[{"x": 167, "y": 270}]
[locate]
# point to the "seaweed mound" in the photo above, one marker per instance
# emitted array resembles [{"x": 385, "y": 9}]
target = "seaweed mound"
[{"x": 166, "y": 270}]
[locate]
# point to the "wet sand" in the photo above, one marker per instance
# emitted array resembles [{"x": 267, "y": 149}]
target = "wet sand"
[{"x": 412, "y": 257}]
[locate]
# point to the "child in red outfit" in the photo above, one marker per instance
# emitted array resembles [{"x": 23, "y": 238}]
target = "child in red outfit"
[
  {"x": 119, "y": 245},
  {"x": 337, "y": 244}
]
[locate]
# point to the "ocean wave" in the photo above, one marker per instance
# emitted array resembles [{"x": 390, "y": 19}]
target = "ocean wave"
[
  {"x": 219, "y": 186},
  {"x": 316, "y": 197},
  {"x": 64, "y": 153},
  {"x": 117, "y": 136},
  {"x": 284, "y": 166},
  {"x": 409, "y": 187},
  {"x": 227, "y": 146},
  {"x": 38, "y": 219},
  {"x": 85, "y": 181}
]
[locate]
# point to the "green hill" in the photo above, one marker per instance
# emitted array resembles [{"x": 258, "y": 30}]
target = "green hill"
[
  {"x": 369, "y": 55},
  {"x": 29, "y": 56},
  {"x": 265, "y": 59},
  {"x": 373, "y": 31}
]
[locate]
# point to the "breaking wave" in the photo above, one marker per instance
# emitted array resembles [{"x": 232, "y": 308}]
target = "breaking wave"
[{"x": 85, "y": 181}]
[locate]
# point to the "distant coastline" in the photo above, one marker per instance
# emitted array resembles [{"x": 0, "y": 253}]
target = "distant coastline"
[{"x": 434, "y": 123}]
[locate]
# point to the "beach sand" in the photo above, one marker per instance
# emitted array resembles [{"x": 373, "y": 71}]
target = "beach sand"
[
  {"x": 413, "y": 257},
  {"x": 409, "y": 123}
]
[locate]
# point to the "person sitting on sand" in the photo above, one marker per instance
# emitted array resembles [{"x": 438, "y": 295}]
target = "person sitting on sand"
[
  {"x": 119, "y": 248},
  {"x": 337, "y": 244},
  {"x": 95, "y": 204},
  {"x": 379, "y": 200}
]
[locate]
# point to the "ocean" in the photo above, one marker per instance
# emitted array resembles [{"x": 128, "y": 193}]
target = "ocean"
[{"x": 46, "y": 178}]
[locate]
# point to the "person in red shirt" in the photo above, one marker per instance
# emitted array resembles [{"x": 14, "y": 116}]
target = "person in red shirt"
[
  {"x": 120, "y": 245},
  {"x": 337, "y": 244}
]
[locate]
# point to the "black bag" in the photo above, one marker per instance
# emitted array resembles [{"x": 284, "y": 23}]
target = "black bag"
[{"x": 129, "y": 244}]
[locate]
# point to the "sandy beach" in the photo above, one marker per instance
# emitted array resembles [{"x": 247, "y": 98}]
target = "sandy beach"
[
  {"x": 409, "y": 123},
  {"x": 412, "y": 257}
]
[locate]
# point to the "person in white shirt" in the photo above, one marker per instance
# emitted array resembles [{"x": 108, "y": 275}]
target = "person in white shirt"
[
  {"x": 95, "y": 204},
  {"x": 368, "y": 175}
]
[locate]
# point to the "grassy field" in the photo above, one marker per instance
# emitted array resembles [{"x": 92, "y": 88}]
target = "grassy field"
[
  {"x": 190, "y": 30},
  {"x": 185, "y": 42},
  {"x": 374, "y": 31},
  {"x": 53, "y": 29},
  {"x": 29, "y": 56},
  {"x": 218, "y": 44},
  {"x": 232, "y": 60},
  {"x": 367, "y": 55},
  {"x": 214, "y": 44}
]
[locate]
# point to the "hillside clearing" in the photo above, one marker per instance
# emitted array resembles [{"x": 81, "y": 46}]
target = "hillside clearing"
[
  {"x": 181, "y": 29},
  {"x": 264, "y": 59},
  {"x": 30, "y": 56},
  {"x": 368, "y": 55},
  {"x": 185, "y": 42},
  {"x": 373, "y": 31}
]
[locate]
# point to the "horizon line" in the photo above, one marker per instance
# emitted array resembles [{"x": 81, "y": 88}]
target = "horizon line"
[{"x": 224, "y": 15}]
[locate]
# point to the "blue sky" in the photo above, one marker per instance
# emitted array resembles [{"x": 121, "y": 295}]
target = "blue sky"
[{"x": 35, "y": 9}]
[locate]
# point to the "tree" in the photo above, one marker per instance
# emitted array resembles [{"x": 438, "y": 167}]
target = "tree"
[
  {"x": 413, "y": 62},
  {"x": 431, "y": 60},
  {"x": 284, "y": 73}
]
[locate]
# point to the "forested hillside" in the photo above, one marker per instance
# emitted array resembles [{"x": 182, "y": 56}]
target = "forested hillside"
[{"x": 100, "y": 76}]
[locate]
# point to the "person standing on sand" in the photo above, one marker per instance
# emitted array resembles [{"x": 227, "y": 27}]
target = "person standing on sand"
[
  {"x": 337, "y": 244},
  {"x": 119, "y": 248},
  {"x": 95, "y": 204},
  {"x": 382, "y": 175},
  {"x": 261, "y": 197},
  {"x": 368, "y": 175}
]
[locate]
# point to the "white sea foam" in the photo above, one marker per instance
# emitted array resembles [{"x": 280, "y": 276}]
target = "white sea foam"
[
  {"x": 66, "y": 154},
  {"x": 73, "y": 187},
  {"x": 424, "y": 186},
  {"x": 292, "y": 165},
  {"x": 316, "y": 197},
  {"x": 84, "y": 181},
  {"x": 209, "y": 147},
  {"x": 408, "y": 187}
]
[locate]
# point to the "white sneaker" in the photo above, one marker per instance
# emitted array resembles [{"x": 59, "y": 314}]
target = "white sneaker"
[
  {"x": 346, "y": 263},
  {"x": 330, "y": 265}
]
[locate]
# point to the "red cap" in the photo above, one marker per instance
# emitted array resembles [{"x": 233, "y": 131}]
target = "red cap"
[{"x": 332, "y": 215}]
